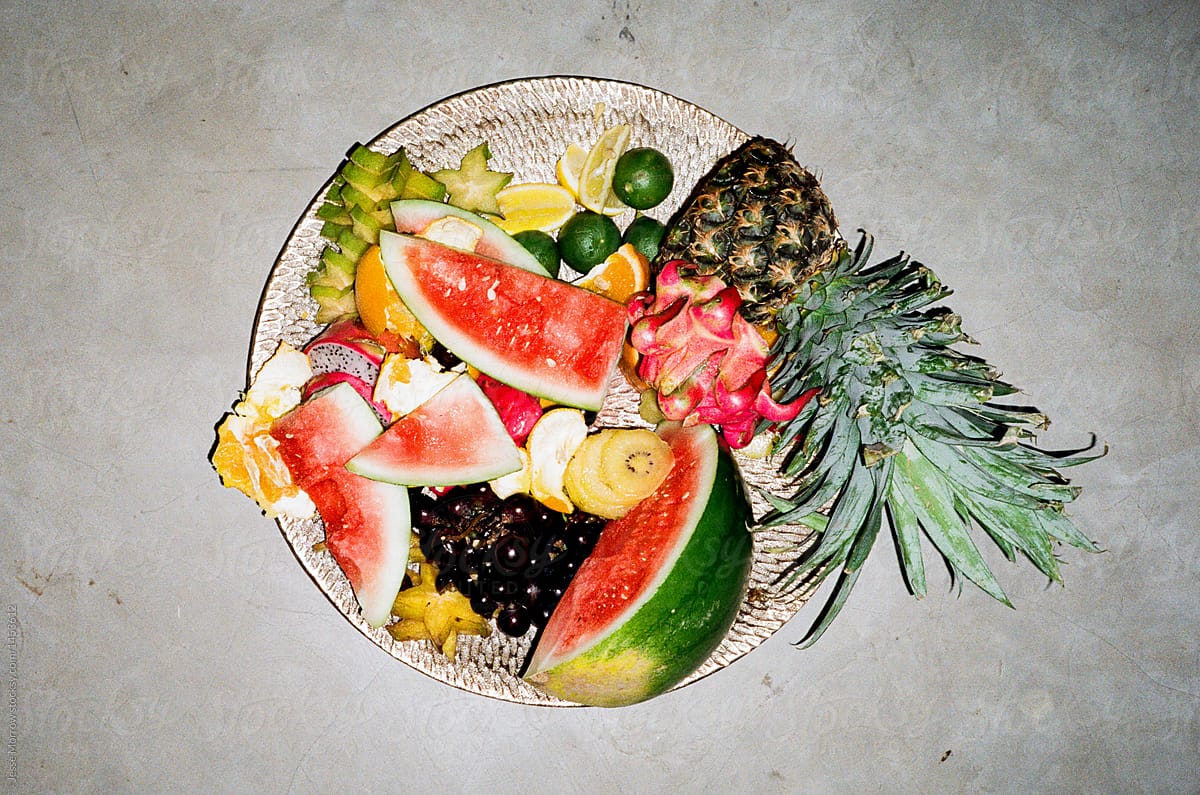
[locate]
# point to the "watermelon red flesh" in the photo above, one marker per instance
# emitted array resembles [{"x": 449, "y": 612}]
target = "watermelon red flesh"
[
  {"x": 537, "y": 334},
  {"x": 660, "y": 590},
  {"x": 367, "y": 530},
  {"x": 454, "y": 437},
  {"x": 367, "y": 526},
  {"x": 324, "y": 432},
  {"x": 365, "y": 390},
  {"x": 413, "y": 216}
]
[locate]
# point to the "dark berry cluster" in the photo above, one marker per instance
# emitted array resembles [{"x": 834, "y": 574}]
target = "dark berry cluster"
[{"x": 513, "y": 558}]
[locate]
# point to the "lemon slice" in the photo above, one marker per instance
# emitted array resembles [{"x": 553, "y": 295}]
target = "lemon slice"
[
  {"x": 614, "y": 206},
  {"x": 626, "y": 271},
  {"x": 595, "y": 178},
  {"x": 569, "y": 167},
  {"x": 541, "y": 206}
]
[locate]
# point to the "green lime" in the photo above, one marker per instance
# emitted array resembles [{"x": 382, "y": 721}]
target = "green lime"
[
  {"x": 586, "y": 239},
  {"x": 643, "y": 177},
  {"x": 645, "y": 234},
  {"x": 542, "y": 247}
]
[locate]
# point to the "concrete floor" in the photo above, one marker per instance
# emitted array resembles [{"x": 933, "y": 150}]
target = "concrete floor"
[{"x": 1043, "y": 158}]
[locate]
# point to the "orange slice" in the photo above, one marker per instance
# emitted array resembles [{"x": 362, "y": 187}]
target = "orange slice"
[
  {"x": 379, "y": 306},
  {"x": 625, "y": 272}
]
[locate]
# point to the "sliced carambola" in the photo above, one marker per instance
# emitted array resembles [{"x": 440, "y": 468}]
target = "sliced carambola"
[
  {"x": 329, "y": 211},
  {"x": 373, "y": 161},
  {"x": 420, "y": 185},
  {"x": 411, "y": 183},
  {"x": 352, "y": 245},
  {"x": 337, "y": 271},
  {"x": 355, "y": 210},
  {"x": 472, "y": 186},
  {"x": 366, "y": 225},
  {"x": 333, "y": 303}
]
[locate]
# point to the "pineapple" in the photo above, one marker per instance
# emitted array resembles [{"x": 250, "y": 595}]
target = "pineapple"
[
  {"x": 759, "y": 221},
  {"x": 904, "y": 426}
]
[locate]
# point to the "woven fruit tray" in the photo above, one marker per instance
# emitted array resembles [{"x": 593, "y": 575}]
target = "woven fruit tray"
[{"x": 527, "y": 125}]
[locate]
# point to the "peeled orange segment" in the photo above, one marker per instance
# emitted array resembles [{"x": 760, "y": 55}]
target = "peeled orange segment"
[
  {"x": 552, "y": 442},
  {"x": 539, "y": 206},
  {"x": 569, "y": 167},
  {"x": 246, "y": 457},
  {"x": 595, "y": 178},
  {"x": 625, "y": 272},
  {"x": 379, "y": 306}
]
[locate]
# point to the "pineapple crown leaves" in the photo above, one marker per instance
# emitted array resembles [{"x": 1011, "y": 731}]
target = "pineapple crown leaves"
[{"x": 905, "y": 427}]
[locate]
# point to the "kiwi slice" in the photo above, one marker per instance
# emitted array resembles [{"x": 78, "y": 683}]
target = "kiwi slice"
[
  {"x": 584, "y": 486},
  {"x": 634, "y": 462}
]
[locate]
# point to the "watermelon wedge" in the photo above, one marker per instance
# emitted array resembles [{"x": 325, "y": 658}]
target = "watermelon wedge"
[
  {"x": 529, "y": 331},
  {"x": 367, "y": 524},
  {"x": 324, "y": 432},
  {"x": 661, "y": 588},
  {"x": 452, "y": 438},
  {"x": 367, "y": 530}
]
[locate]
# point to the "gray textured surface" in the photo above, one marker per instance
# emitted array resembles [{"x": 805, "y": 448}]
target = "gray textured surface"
[{"x": 1042, "y": 158}]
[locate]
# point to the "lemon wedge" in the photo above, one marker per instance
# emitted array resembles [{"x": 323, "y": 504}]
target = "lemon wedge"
[
  {"x": 569, "y": 167},
  {"x": 539, "y": 206},
  {"x": 595, "y": 177}
]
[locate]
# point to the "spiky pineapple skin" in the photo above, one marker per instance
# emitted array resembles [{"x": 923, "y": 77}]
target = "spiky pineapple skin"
[{"x": 761, "y": 222}]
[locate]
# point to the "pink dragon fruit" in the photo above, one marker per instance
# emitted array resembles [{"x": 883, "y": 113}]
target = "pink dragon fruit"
[
  {"x": 705, "y": 361},
  {"x": 519, "y": 410},
  {"x": 346, "y": 352},
  {"x": 346, "y": 347}
]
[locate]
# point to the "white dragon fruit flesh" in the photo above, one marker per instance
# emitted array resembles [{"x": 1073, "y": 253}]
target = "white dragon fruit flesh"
[{"x": 346, "y": 352}]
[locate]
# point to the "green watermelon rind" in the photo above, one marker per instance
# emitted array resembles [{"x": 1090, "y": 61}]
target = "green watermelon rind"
[
  {"x": 474, "y": 349},
  {"x": 379, "y": 461},
  {"x": 414, "y": 215},
  {"x": 689, "y": 609}
]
